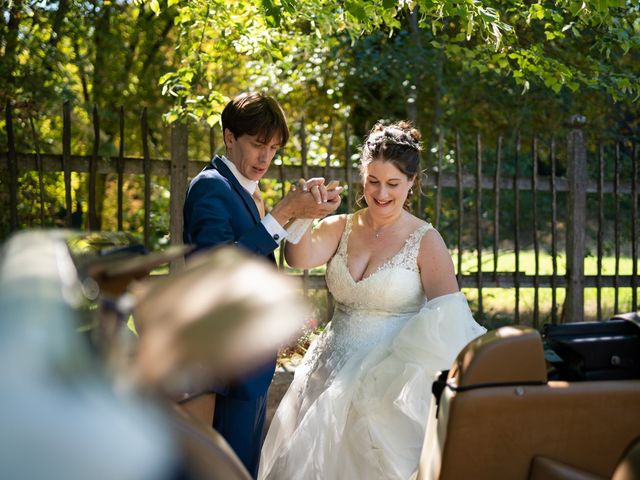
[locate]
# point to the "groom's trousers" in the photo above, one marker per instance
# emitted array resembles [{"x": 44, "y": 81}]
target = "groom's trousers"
[{"x": 241, "y": 423}]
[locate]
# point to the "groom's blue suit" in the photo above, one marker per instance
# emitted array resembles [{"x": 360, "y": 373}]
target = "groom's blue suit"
[{"x": 218, "y": 210}]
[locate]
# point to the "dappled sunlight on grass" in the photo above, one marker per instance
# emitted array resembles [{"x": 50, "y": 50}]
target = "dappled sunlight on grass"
[
  {"x": 499, "y": 304},
  {"x": 507, "y": 262}
]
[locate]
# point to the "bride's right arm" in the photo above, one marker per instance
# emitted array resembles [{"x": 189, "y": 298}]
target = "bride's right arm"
[{"x": 317, "y": 245}]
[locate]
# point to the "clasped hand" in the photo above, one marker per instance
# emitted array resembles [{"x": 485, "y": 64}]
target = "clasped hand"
[
  {"x": 321, "y": 193},
  {"x": 308, "y": 199}
]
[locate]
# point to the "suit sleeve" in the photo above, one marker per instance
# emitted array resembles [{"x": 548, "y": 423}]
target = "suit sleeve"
[{"x": 208, "y": 219}]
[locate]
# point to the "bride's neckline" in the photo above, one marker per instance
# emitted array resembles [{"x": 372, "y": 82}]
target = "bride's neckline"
[
  {"x": 384, "y": 264},
  {"x": 381, "y": 230}
]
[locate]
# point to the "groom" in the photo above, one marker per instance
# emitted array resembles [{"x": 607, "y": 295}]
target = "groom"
[{"x": 223, "y": 205}]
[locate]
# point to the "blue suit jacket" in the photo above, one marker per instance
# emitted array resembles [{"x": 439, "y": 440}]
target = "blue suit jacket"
[{"x": 218, "y": 210}]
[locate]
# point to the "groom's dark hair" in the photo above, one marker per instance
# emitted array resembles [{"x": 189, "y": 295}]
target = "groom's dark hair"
[{"x": 255, "y": 113}]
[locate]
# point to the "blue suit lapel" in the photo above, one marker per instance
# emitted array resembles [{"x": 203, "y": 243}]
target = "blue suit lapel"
[{"x": 219, "y": 165}]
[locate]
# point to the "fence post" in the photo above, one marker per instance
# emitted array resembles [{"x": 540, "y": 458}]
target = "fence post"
[
  {"x": 12, "y": 168},
  {"x": 576, "y": 218},
  {"x": 146, "y": 169},
  {"x": 94, "y": 223},
  {"x": 348, "y": 168},
  {"x": 66, "y": 159},
  {"x": 179, "y": 172},
  {"x": 120, "y": 169},
  {"x": 305, "y": 175}
]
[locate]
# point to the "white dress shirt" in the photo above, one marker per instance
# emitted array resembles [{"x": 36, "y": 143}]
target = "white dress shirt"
[{"x": 277, "y": 232}]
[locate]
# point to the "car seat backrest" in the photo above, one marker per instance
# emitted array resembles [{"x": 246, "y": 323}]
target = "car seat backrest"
[{"x": 508, "y": 355}]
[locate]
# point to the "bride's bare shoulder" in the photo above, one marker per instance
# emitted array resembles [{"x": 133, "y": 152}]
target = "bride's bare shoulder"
[
  {"x": 340, "y": 218},
  {"x": 432, "y": 245},
  {"x": 416, "y": 223},
  {"x": 334, "y": 225},
  {"x": 335, "y": 221}
]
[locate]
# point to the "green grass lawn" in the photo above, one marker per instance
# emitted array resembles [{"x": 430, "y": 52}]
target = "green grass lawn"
[
  {"x": 499, "y": 303},
  {"x": 507, "y": 263}
]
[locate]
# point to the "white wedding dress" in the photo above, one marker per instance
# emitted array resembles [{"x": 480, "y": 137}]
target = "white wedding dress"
[{"x": 358, "y": 404}]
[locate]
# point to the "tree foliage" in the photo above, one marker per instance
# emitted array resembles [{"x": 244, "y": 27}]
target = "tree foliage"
[
  {"x": 465, "y": 64},
  {"x": 105, "y": 54},
  {"x": 560, "y": 44}
]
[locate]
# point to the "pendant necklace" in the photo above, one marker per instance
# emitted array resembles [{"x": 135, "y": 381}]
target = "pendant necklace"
[{"x": 379, "y": 233}]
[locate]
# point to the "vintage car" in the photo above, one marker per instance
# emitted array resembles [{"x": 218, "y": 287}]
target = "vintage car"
[
  {"x": 83, "y": 397},
  {"x": 516, "y": 403}
]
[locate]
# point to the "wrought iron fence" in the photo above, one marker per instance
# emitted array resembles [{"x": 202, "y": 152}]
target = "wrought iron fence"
[{"x": 478, "y": 190}]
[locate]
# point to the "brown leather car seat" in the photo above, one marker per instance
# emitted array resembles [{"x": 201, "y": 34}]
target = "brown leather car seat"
[
  {"x": 498, "y": 412},
  {"x": 206, "y": 454},
  {"x": 629, "y": 466}
]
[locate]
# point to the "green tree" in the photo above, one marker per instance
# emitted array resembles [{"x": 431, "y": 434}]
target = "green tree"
[
  {"x": 469, "y": 64},
  {"x": 560, "y": 44},
  {"x": 105, "y": 53}
]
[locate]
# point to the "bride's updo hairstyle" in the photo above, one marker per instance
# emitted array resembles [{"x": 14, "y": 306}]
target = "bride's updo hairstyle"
[{"x": 398, "y": 143}]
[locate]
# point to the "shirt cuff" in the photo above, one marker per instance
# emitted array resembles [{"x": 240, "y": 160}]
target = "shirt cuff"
[{"x": 274, "y": 228}]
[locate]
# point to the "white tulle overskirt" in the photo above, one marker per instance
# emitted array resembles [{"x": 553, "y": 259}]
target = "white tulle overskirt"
[{"x": 358, "y": 404}]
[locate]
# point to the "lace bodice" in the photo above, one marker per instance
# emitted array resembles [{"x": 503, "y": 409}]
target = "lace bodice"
[{"x": 394, "y": 287}]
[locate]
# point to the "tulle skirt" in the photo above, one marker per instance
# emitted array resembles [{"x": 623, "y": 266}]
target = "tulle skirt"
[{"x": 358, "y": 404}]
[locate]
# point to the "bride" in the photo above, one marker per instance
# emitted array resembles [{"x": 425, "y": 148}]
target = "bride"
[{"x": 359, "y": 401}]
